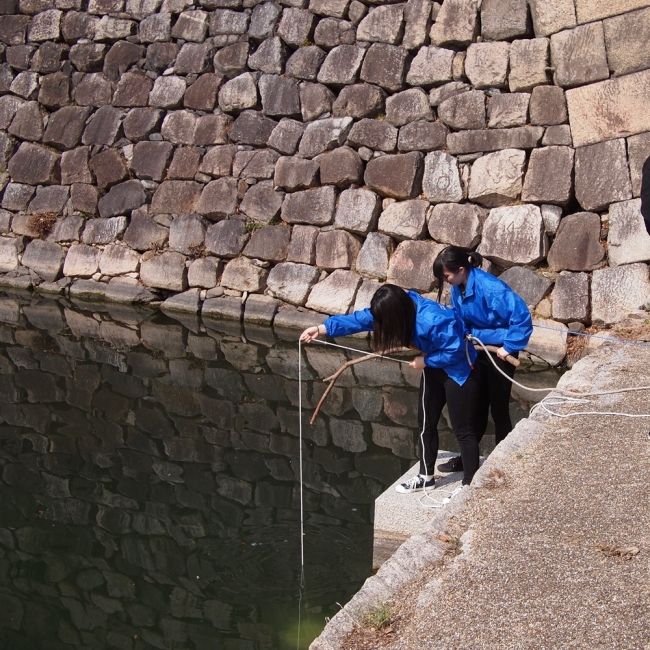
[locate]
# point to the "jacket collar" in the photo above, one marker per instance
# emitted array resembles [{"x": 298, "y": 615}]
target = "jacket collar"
[{"x": 469, "y": 287}]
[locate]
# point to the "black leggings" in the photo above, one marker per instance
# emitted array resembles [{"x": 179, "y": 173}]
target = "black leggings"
[
  {"x": 494, "y": 396},
  {"x": 436, "y": 390}
]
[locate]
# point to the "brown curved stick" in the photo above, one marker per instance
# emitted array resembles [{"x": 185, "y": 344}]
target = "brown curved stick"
[
  {"x": 513, "y": 361},
  {"x": 332, "y": 378}
]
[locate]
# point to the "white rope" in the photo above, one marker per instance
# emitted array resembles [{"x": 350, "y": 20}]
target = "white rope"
[
  {"x": 302, "y": 510},
  {"x": 370, "y": 354}
]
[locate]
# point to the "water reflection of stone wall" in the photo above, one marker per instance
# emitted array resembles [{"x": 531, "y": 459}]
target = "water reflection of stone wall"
[{"x": 148, "y": 494}]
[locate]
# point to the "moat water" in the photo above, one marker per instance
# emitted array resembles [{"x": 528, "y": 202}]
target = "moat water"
[{"x": 148, "y": 479}]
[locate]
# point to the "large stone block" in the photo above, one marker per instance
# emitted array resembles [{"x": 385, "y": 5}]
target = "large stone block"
[
  {"x": 204, "y": 272},
  {"x": 524, "y": 137},
  {"x": 609, "y": 109},
  {"x": 548, "y": 341},
  {"x": 417, "y": 18},
  {"x": 285, "y": 137},
  {"x": 602, "y": 175},
  {"x": 292, "y": 282},
  {"x": 336, "y": 249},
  {"x": 315, "y": 101},
  {"x": 252, "y": 128},
  {"x": 255, "y": 164},
  {"x": 44, "y": 258},
  {"x": 570, "y": 297},
  {"x": 132, "y": 89},
  {"x": 270, "y": 243},
  {"x": 578, "y": 56},
  {"x": 33, "y": 164},
  {"x": 504, "y": 19},
  {"x": 372, "y": 261},
  {"x": 404, "y": 219},
  {"x": 590, "y": 10},
  {"x": 411, "y": 265},
  {"x": 638, "y": 151},
  {"x": 508, "y": 110},
  {"x": 261, "y": 202},
  {"x": 238, "y": 94},
  {"x": 295, "y": 26},
  {"x": 625, "y": 39},
  {"x": 496, "y": 178},
  {"x": 407, "y": 106},
  {"x": 331, "y": 32},
  {"x": 357, "y": 211},
  {"x": 179, "y": 127},
  {"x": 547, "y": 106},
  {"x": 231, "y": 60},
  {"x": 464, "y": 111},
  {"x": 627, "y": 240},
  {"x": 74, "y": 166},
  {"x": 385, "y": 66},
  {"x": 314, "y": 207},
  {"x": 617, "y": 292},
  {"x": 16, "y": 197},
  {"x": 296, "y": 173},
  {"x": 531, "y": 286},
  {"x": 441, "y": 180},
  {"x": 187, "y": 233},
  {"x": 140, "y": 122},
  {"x": 548, "y": 177},
  {"x": 185, "y": 164},
  {"x": 486, "y": 64},
  {"x": 109, "y": 168},
  {"x": 243, "y": 274},
  {"x": 150, "y": 159},
  {"x": 323, "y": 135},
  {"x": 191, "y": 26},
  {"x": 551, "y": 16},
  {"x": 117, "y": 260},
  {"x": 263, "y": 20},
  {"x": 10, "y": 247},
  {"x": 279, "y": 95},
  {"x": 514, "y": 235},
  {"x": 55, "y": 90},
  {"x": 270, "y": 56},
  {"x": 49, "y": 199},
  {"x": 456, "y": 224},
  {"x": 305, "y": 63},
  {"x": 431, "y": 66},
  {"x": 81, "y": 260},
  {"x": 226, "y": 238},
  {"x": 176, "y": 197},
  {"x": 456, "y": 23},
  {"x": 167, "y": 92},
  {"x": 28, "y": 122},
  {"x": 218, "y": 161},
  {"x": 218, "y": 199},
  {"x": 302, "y": 248},
  {"x": 122, "y": 198},
  {"x": 577, "y": 244},
  {"x": 202, "y": 94},
  {"x": 397, "y": 177},
  {"x": 65, "y": 127},
  {"x": 225, "y": 21},
  {"x": 341, "y": 67},
  {"x": 382, "y": 25},
  {"x": 528, "y": 64},
  {"x": 103, "y": 127},
  {"x": 335, "y": 294},
  {"x": 103, "y": 231},
  {"x": 422, "y": 136},
  {"x": 166, "y": 271},
  {"x": 358, "y": 101},
  {"x": 374, "y": 134},
  {"x": 144, "y": 233},
  {"x": 341, "y": 167}
]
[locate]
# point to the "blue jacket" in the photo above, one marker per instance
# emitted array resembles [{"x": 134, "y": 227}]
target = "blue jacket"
[
  {"x": 493, "y": 312},
  {"x": 438, "y": 334}
]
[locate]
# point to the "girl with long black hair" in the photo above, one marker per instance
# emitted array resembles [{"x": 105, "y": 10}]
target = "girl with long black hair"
[
  {"x": 495, "y": 314},
  {"x": 397, "y": 319}
]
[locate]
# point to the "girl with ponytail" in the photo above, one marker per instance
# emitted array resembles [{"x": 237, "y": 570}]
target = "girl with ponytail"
[
  {"x": 399, "y": 318},
  {"x": 495, "y": 314}
]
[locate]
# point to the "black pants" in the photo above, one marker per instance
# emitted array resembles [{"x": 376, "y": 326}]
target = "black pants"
[
  {"x": 494, "y": 396},
  {"x": 436, "y": 390}
]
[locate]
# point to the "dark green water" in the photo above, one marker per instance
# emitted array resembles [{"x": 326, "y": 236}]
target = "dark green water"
[{"x": 148, "y": 479}]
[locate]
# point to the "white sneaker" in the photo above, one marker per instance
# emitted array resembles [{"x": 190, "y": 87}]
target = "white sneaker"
[{"x": 415, "y": 484}]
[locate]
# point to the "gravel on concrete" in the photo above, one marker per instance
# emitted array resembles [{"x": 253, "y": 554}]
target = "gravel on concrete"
[{"x": 556, "y": 549}]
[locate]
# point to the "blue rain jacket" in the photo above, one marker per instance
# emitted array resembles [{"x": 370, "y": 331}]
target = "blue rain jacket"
[
  {"x": 493, "y": 312},
  {"x": 438, "y": 334}
]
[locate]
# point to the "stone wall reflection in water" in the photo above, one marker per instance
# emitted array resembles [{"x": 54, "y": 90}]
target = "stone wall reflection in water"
[
  {"x": 148, "y": 479},
  {"x": 148, "y": 492}
]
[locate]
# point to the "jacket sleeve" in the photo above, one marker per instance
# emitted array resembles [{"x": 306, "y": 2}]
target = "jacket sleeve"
[
  {"x": 520, "y": 324},
  {"x": 645, "y": 194},
  {"x": 358, "y": 321}
]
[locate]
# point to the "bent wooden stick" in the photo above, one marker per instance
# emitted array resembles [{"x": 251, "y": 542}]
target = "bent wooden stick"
[{"x": 513, "y": 361}]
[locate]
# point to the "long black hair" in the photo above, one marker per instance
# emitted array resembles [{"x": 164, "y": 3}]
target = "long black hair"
[
  {"x": 453, "y": 258},
  {"x": 393, "y": 312}
]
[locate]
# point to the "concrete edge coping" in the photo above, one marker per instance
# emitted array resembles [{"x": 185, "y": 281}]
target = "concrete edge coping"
[{"x": 423, "y": 549}]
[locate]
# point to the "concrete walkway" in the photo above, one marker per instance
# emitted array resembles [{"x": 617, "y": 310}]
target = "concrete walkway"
[{"x": 549, "y": 548}]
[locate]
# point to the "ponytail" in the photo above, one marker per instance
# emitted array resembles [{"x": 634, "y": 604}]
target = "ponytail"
[{"x": 453, "y": 258}]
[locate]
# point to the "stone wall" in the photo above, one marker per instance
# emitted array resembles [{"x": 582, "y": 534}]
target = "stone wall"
[{"x": 243, "y": 157}]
